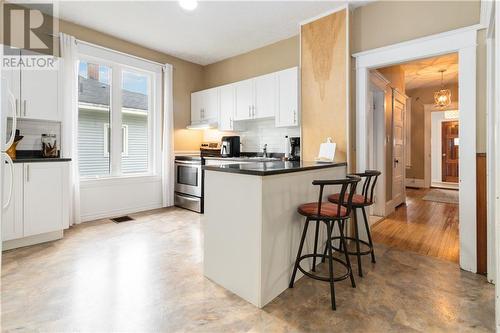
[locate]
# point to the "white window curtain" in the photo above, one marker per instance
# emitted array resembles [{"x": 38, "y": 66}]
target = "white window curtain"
[
  {"x": 69, "y": 140},
  {"x": 168, "y": 138}
]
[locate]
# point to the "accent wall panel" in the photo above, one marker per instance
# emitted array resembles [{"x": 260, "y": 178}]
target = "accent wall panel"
[{"x": 324, "y": 99}]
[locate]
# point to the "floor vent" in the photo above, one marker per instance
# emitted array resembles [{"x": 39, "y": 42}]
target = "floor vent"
[{"x": 122, "y": 219}]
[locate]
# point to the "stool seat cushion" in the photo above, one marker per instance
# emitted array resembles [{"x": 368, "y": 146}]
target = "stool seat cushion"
[
  {"x": 328, "y": 209},
  {"x": 357, "y": 199}
]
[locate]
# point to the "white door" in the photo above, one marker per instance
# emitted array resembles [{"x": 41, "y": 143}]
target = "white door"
[
  {"x": 244, "y": 99},
  {"x": 398, "y": 149},
  {"x": 227, "y": 107},
  {"x": 211, "y": 104},
  {"x": 43, "y": 197},
  {"x": 265, "y": 96},
  {"x": 12, "y": 215},
  {"x": 196, "y": 106},
  {"x": 39, "y": 94},
  {"x": 287, "y": 108}
]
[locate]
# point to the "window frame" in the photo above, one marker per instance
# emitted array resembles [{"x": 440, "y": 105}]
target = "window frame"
[{"x": 119, "y": 63}]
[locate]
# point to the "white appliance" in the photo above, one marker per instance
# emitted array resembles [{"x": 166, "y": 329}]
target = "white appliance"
[{"x": 8, "y": 126}]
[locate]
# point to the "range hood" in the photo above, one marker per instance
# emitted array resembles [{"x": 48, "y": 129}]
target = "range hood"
[{"x": 202, "y": 125}]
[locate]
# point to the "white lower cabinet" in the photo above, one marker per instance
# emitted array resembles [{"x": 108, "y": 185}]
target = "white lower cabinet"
[{"x": 39, "y": 204}]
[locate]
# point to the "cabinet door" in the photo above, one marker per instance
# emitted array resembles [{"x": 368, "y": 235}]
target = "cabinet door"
[
  {"x": 11, "y": 78},
  {"x": 265, "y": 96},
  {"x": 244, "y": 99},
  {"x": 12, "y": 216},
  {"x": 227, "y": 106},
  {"x": 287, "y": 109},
  {"x": 45, "y": 197},
  {"x": 196, "y": 106},
  {"x": 40, "y": 94},
  {"x": 211, "y": 104}
]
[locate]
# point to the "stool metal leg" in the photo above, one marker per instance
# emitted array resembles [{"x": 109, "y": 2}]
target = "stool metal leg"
[
  {"x": 299, "y": 253},
  {"x": 356, "y": 234},
  {"x": 343, "y": 242},
  {"x": 369, "y": 235},
  {"x": 330, "y": 262},
  {"x": 315, "y": 246}
]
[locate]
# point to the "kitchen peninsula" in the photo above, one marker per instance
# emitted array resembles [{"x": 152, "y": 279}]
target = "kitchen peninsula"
[{"x": 251, "y": 226}]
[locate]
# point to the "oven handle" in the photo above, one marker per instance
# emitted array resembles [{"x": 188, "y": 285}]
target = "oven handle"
[{"x": 188, "y": 162}]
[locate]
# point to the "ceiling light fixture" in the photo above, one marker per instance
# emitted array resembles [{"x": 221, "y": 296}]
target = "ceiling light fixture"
[
  {"x": 188, "y": 4},
  {"x": 442, "y": 98}
]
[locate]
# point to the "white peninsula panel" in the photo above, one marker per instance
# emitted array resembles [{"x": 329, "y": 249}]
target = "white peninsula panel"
[{"x": 252, "y": 229}]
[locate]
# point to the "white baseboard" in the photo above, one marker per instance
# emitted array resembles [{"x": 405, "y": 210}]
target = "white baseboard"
[
  {"x": 415, "y": 182},
  {"x": 389, "y": 208},
  {"x": 452, "y": 186},
  {"x": 32, "y": 240},
  {"x": 119, "y": 212}
]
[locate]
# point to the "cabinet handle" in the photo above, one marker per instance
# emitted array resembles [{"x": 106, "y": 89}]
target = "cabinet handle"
[
  {"x": 249, "y": 111},
  {"x": 24, "y": 102},
  {"x": 294, "y": 117},
  {"x": 253, "y": 111},
  {"x": 27, "y": 173},
  {"x": 17, "y": 107}
]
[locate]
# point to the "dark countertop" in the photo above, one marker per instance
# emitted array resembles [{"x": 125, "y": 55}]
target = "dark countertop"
[
  {"x": 31, "y": 156},
  {"x": 40, "y": 159},
  {"x": 271, "y": 168}
]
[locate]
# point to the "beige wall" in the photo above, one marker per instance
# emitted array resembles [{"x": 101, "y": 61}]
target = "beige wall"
[
  {"x": 271, "y": 58},
  {"x": 187, "y": 77},
  {"x": 419, "y": 97},
  {"x": 384, "y": 23}
]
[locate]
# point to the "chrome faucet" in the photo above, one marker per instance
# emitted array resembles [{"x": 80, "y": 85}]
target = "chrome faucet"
[{"x": 264, "y": 151}]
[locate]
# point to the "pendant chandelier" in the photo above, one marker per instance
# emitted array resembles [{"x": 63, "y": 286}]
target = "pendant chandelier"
[{"x": 442, "y": 97}]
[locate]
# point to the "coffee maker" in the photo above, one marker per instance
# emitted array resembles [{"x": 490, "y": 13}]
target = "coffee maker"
[
  {"x": 230, "y": 146},
  {"x": 294, "y": 148}
]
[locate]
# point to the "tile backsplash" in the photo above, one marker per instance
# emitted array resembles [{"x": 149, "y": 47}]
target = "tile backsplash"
[
  {"x": 256, "y": 133},
  {"x": 32, "y": 131}
]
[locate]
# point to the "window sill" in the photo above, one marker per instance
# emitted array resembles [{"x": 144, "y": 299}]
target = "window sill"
[{"x": 119, "y": 180}]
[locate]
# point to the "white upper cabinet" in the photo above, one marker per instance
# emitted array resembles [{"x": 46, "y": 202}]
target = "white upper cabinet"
[
  {"x": 40, "y": 94},
  {"x": 196, "y": 106},
  {"x": 265, "y": 96},
  {"x": 287, "y": 105},
  {"x": 211, "y": 104},
  {"x": 227, "y": 107},
  {"x": 205, "y": 106},
  {"x": 244, "y": 99}
]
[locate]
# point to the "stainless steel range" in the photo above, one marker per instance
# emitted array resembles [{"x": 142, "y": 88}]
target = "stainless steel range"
[{"x": 189, "y": 177}]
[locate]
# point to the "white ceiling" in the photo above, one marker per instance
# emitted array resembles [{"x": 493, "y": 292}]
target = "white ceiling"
[
  {"x": 216, "y": 30},
  {"x": 425, "y": 72}
]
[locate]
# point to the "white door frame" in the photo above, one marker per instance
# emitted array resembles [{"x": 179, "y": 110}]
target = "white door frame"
[{"x": 462, "y": 41}]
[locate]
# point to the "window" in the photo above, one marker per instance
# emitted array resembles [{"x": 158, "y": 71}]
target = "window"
[{"x": 116, "y": 91}]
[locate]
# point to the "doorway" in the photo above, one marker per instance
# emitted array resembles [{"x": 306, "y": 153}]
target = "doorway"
[
  {"x": 420, "y": 217},
  {"x": 463, "y": 42}
]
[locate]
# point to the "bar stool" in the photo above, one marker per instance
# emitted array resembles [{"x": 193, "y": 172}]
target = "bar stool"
[
  {"x": 329, "y": 213},
  {"x": 359, "y": 201}
]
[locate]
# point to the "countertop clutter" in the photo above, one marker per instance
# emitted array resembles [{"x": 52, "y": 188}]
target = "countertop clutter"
[{"x": 271, "y": 168}]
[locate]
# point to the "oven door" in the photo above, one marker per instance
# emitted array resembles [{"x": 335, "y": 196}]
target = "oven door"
[{"x": 188, "y": 177}]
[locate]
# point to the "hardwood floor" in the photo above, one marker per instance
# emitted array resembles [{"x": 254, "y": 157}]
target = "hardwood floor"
[{"x": 426, "y": 227}]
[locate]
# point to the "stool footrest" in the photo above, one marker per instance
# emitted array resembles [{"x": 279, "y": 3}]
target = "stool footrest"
[
  {"x": 322, "y": 278},
  {"x": 363, "y": 253}
]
